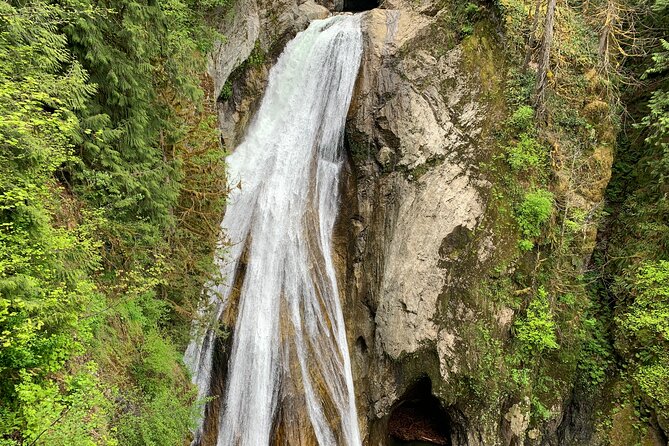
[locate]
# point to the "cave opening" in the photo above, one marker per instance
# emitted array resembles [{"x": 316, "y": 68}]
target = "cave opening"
[
  {"x": 359, "y": 5},
  {"x": 418, "y": 418}
]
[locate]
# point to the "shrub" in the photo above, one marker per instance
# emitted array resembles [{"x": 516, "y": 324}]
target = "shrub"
[
  {"x": 525, "y": 245},
  {"x": 643, "y": 330},
  {"x": 526, "y": 154},
  {"x": 226, "y": 91},
  {"x": 536, "y": 331},
  {"x": 472, "y": 9},
  {"x": 522, "y": 119},
  {"x": 533, "y": 212}
]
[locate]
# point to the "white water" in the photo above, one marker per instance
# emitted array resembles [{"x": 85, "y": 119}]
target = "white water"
[{"x": 289, "y": 352}]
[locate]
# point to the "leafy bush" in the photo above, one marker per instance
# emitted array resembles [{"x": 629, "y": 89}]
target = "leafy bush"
[
  {"x": 522, "y": 119},
  {"x": 643, "y": 329},
  {"x": 159, "y": 421},
  {"x": 525, "y": 245},
  {"x": 536, "y": 331},
  {"x": 526, "y": 154},
  {"x": 534, "y": 212},
  {"x": 100, "y": 121},
  {"x": 472, "y": 9}
]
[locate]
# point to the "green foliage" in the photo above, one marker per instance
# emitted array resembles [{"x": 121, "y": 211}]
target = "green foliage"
[
  {"x": 100, "y": 239},
  {"x": 226, "y": 91},
  {"x": 156, "y": 409},
  {"x": 160, "y": 421},
  {"x": 46, "y": 256},
  {"x": 525, "y": 245},
  {"x": 519, "y": 90},
  {"x": 140, "y": 56},
  {"x": 466, "y": 29},
  {"x": 536, "y": 331},
  {"x": 656, "y": 122},
  {"x": 643, "y": 330},
  {"x": 472, "y": 9},
  {"x": 539, "y": 410},
  {"x": 534, "y": 211},
  {"x": 526, "y": 155},
  {"x": 638, "y": 249},
  {"x": 596, "y": 356},
  {"x": 257, "y": 56},
  {"x": 522, "y": 120}
]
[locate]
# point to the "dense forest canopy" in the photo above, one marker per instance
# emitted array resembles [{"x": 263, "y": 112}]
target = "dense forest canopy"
[
  {"x": 111, "y": 182},
  {"x": 112, "y": 187}
]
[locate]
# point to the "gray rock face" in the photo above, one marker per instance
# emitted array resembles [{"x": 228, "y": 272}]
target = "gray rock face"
[
  {"x": 312, "y": 11},
  {"x": 241, "y": 28},
  {"x": 253, "y": 26},
  {"x": 414, "y": 132}
]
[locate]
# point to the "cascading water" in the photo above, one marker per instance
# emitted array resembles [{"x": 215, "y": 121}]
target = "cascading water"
[{"x": 289, "y": 375}]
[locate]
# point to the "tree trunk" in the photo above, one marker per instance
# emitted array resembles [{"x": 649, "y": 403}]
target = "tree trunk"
[
  {"x": 604, "y": 35},
  {"x": 544, "y": 63},
  {"x": 532, "y": 39}
]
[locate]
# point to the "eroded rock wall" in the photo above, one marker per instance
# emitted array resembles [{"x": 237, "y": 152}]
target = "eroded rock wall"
[
  {"x": 419, "y": 228},
  {"x": 255, "y": 32},
  {"x": 417, "y": 130}
]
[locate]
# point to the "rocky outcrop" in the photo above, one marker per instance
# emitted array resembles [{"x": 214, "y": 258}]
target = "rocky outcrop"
[
  {"x": 422, "y": 234},
  {"x": 255, "y": 32},
  {"x": 250, "y": 23},
  {"x": 416, "y": 130}
]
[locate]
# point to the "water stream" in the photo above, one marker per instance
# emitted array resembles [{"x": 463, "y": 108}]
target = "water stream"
[{"x": 289, "y": 374}]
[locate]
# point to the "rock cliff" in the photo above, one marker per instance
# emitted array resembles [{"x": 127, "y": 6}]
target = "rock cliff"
[{"x": 427, "y": 256}]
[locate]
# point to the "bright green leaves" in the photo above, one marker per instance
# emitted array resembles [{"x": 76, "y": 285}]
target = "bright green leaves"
[
  {"x": 653, "y": 380},
  {"x": 531, "y": 215},
  {"x": 647, "y": 317},
  {"x": 65, "y": 413},
  {"x": 39, "y": 87},
  {"x": 529, "y": 167},
  {"x": 97, "y": 107},
  {"x": 156, "y": 422},
  {"x": 45, "y": 293},
  {"x": 526, "y": 155},
  {"x": 534, "y": 211},
  {"x": 643, "y": 330},
  {"x": 522, "y": 120},
  {"x": 536, "y": 331}
]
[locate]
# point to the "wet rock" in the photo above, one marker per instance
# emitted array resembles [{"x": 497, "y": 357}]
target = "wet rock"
[
  {"x": 411, "y": 239},
  {"x": 411, "y": 129},
  {"x": 312, "y": 11}
]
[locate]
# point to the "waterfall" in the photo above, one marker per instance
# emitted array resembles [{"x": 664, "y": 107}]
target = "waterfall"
[{"x": 289, "y": 375}]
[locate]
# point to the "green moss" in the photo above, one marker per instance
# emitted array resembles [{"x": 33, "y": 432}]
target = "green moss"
[
  {"x": 226, "y": 91},
  {"x": 481, "y": 53},
  {"x": 420, "y": 170},
  {"x": 358, "y": 147}
]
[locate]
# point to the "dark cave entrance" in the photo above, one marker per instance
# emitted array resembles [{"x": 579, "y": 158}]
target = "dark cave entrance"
[
  {"x": 418, "y": 419},
  {"x": 359, "y": 5}
]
